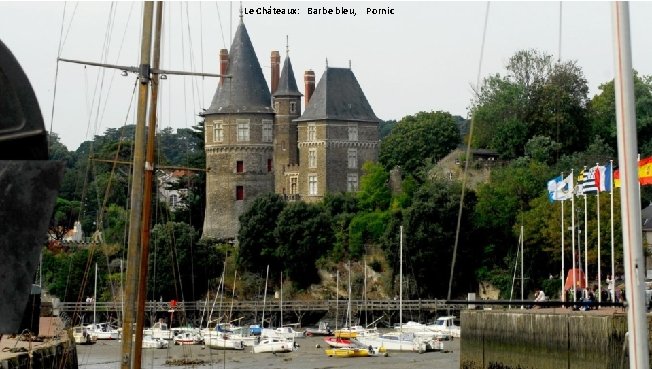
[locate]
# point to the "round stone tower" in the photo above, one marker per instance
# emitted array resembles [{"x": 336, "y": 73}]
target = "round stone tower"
[{"x": 239, "y": 140}]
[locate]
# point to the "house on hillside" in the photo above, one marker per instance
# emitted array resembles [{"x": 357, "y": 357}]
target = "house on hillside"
[{"x": 171, "y": 189}]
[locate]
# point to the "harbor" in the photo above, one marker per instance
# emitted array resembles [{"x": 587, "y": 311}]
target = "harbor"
[{"x": 105, "y": 354}]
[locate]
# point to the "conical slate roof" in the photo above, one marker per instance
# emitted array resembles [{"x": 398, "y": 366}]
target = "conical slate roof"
[
  {"x": 246, "y": 91},
  {"x": 287, "y": 85},
  {"x": 338, "y": 96}
]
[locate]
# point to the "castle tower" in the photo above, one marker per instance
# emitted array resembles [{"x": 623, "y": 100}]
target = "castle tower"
[
  {"x": 287, "y": 104},
  {"x": 238, "y": 141},
  {"x": 338, "y": 133}
]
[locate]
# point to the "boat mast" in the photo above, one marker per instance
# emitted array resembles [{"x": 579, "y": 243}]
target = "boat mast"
[
  {"x": 337, "y": 298},
  {"x": 630, "y": 205},
  {"x": 281, "y": 300},
  {"x": 134, "y": 246},
  {"x": 400, "y": 278},
  {"x": 147, "y": 192},
  {"x": 262, "y": 321},
  {"x": 95, "y": 297},
  {"x": 365, "y": 291},
  {"x": 348, "y": 306}
]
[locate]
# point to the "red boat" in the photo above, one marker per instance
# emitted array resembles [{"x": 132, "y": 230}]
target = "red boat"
[{"x": 338, "y": 342}]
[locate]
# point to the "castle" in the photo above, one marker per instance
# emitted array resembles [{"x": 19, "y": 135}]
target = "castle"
[{"x": 257, "y": 141}]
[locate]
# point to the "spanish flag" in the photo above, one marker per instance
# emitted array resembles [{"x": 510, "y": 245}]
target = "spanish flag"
[{"x": 644, "y": 173}]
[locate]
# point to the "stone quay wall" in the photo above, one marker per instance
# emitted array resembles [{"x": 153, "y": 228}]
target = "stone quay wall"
[{"x": 543, "y": 339}]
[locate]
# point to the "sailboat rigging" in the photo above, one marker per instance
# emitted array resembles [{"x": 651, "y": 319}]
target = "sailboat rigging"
[{"x": 141, "y": 186}]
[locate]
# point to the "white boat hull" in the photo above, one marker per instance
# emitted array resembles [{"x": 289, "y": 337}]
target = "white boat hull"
[{"x": 273, "y": 346}]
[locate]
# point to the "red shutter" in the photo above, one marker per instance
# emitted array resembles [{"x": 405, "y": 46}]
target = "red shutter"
[
  {"x": 269, "y": 165},
  {"x": 239, "y": 192},
  {"x": 240, "y": 166}
]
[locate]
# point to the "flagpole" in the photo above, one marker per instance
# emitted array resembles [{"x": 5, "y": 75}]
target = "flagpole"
[
  {"x": 612, "y": 292},
  {"x": 563, "y": 269},
  {"x": 630, "y": 203},
  {"x": 597, "y": 205},
  {"x": 573, "y": 243},
  {"x": 586, "y": 241}
]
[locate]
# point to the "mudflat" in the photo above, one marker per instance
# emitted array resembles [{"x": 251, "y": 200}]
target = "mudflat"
[{"x": 106, "y": 354}]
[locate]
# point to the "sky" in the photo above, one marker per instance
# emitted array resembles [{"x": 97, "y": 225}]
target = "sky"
[{"x": 425, "y": 56}]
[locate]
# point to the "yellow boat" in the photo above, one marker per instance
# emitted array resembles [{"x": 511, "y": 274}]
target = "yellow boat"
[
  {"x": 346, "y": 334},
  {"x": 354, "y": 352},
  {"x": 347, "y": 352}
]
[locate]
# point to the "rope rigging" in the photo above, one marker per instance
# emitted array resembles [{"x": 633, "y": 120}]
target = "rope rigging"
[{"x": 468, "y": 157}]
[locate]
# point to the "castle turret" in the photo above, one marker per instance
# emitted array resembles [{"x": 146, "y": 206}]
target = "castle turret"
[
  {"x": 238, "y": 137},
  {"x": 287, "y": 104},
  {"x": 338, "y": 132}
]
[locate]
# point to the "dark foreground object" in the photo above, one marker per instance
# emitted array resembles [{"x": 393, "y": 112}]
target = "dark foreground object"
[{"x": 28, "y": 190}]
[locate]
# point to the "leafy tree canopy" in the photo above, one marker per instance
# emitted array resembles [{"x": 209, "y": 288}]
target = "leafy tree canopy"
[{"x": 415, "y": 138}]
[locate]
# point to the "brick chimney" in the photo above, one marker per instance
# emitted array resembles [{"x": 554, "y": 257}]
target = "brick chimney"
[
  {"x": 224, "y": 63},
  {"x": 309, "y": 84},
  {"x": 276, "y": 67}
]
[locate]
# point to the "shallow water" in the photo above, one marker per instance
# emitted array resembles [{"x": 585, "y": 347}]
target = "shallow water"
[{"x": 106, "y": 354}]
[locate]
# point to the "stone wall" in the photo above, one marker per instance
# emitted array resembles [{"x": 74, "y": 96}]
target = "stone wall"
[
  {"x": 542, "y": 340},
  {"x": 55, "y": 354}
]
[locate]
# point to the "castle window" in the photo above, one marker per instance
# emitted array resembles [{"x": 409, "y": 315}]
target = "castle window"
[
  {"x": 239, "y": 166},
  {"x": 293, "y": 185},
  {"x": 353, "y": 132},
  {"x": 267, "y": 130},
  {"x": 239, "y": 192},
  {"x": 276, "y": 106},
  {"x": 312, "y": 132},
  {"x": 218, "y": 131},
  {"x": 312, "y": 185},
  {"x": 352, "y": 182},
  {"x": 243, "y": 129},
  {"x": 312, "y": 158},
  {"x": 269, "y": 165},
  {"x": 293, "y": 107},
  {"x": 353, "y": 158}
]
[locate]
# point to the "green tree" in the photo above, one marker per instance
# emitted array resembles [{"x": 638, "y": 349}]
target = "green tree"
[
  {"x": 179, "y": 268},
  {"x": 64, "y": 217},
  {"x": 303, "y": 234},
  {"x": 603, "y": 113},
  {"x": 536, "y": 97},
  {"x": 499, "y": 205},
  {"x": 417, "y": 138},
  {"x": 374, "y": 192},
  {"x": 428, "y": 239},
  {"x": 256, "y": 237}
]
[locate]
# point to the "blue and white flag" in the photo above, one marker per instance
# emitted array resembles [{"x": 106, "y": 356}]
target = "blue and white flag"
[{"x": 560, "y": 189}]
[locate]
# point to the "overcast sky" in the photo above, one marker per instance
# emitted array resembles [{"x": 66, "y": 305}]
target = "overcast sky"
[{"x": 423, "y": 57}]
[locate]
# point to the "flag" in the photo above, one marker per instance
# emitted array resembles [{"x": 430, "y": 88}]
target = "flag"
[
  {"x": 587, "y": 181},
  {"x": 645, "y": 171},
  {"x": 579, "y": 189},
  {"x": 617, "y": 178},
  {"x": 553, "y": 184},
  {"x": 560, "y": 189},
  {"x": 603, "y": 177}
]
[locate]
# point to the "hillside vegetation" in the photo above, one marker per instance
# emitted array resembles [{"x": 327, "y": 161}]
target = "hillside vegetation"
[{"x": 536, "y": 116}]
